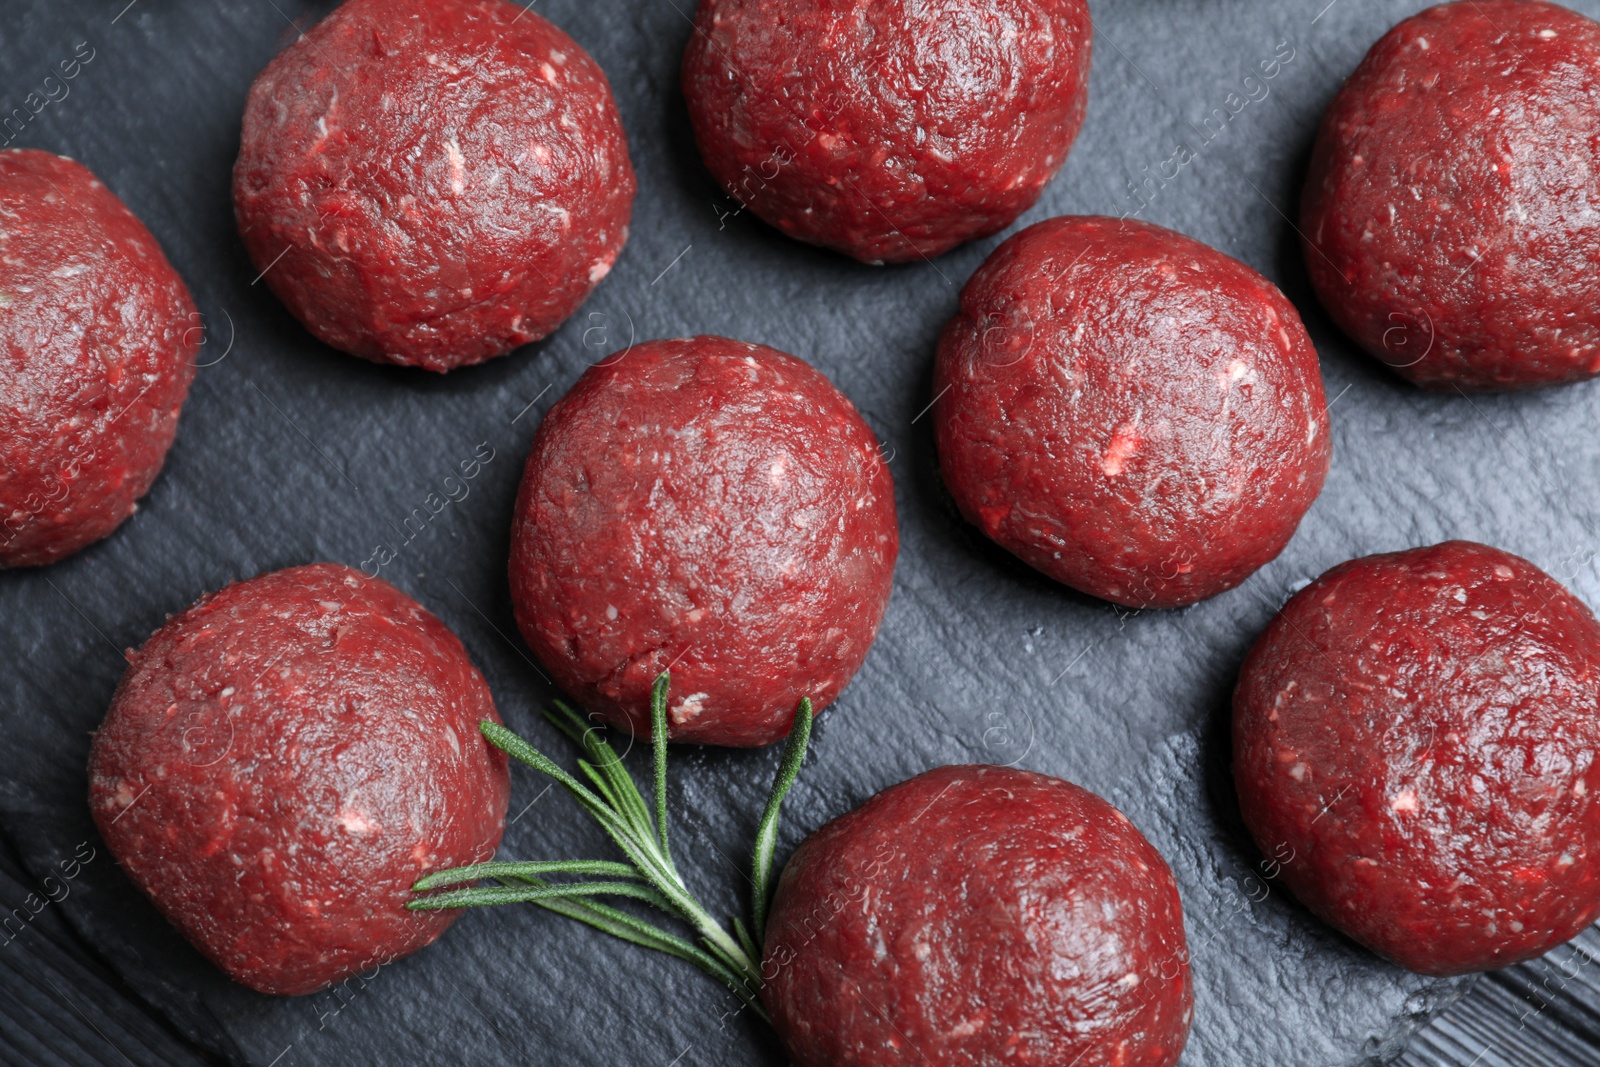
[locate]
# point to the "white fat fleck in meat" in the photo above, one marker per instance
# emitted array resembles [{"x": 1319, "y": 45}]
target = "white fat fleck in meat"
[
  {"x": 458, "y": 165},
  {"x": 357, "y": 821},
  {"x": 1124, "y": 443},
  {"x": 775, "y": 473},
  {"x": 689, "y": 708},
  {"x": 1405, "y": 800},
  {"x": 1236, "y": 371}
]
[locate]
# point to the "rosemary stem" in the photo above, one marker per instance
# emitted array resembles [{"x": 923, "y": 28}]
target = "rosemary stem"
[
  {"x": 794, "y": 754},
  {"x": 658, "y": 744},
  {"x": 639, "y": 830}
]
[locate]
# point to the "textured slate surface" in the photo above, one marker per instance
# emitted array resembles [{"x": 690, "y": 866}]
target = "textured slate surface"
[{"x": 288, "y": 452}]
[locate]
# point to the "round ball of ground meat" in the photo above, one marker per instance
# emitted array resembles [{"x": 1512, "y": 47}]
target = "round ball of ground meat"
[
  {"x": 973, "y": 916},
  {"x": 432, "y": 182},
  {"x": 713, "y": 507},
  {"x": 97, "y": 339},
  {"x": 1414, "y": 742},
  {"x": 284, "y": 759},
  {"x": 888, "y": 131},
  {"x": 1131, "y": 412},
  {"x": 1449, "y": 216}
]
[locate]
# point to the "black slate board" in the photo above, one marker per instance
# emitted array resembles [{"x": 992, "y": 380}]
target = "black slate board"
[{"x": 289, "y": 452}]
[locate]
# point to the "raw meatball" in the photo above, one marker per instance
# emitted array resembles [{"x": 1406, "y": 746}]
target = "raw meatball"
[
  {"x": 714, "y": 507},
  {"x": 1414, "y": 744},
  {"x": 977, "y": 916},
  {"x": 97, "y": 342},
  {"x": 1131, "y": 412},
  {"x": 887, "y": 130},
  {"x": 283, "y": 760},
  {"x": 1449, "y": 215},
  {"x": 432, "y": 182}
]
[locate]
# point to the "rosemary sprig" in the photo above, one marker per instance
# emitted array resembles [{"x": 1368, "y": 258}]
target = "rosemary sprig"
[{"x": 649, "y": 874}]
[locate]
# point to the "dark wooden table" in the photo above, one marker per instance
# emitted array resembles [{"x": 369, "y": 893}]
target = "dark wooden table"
[{"x": 1544, "y": 1012}]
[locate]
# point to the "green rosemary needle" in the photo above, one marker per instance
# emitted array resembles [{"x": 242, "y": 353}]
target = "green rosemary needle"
[{"x": 613, "y": 799}]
